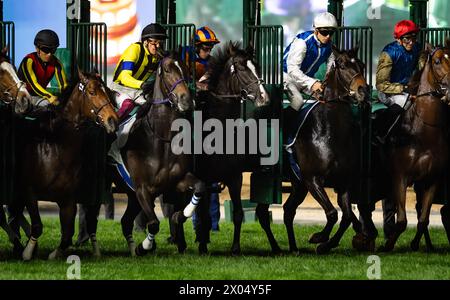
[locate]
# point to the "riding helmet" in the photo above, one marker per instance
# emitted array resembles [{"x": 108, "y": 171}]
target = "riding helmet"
[
  {"x": 204, "y": 35},
  {"x": 404, "y": 27},
  {"x": 47, "y": 38},
  {"x": 154, "y": 31},
  {"x": 325, "y": 20}
]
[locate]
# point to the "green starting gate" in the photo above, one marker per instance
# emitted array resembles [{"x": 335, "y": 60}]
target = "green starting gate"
[
  {"x": 266, "y": 183},
  {"x": 7, "y": 39}
]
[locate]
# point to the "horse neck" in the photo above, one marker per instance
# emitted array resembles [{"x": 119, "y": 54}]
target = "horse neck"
[
  {"x": 427, "y": 105},
  {"x": 221, "y": 108},
  {"x": 73, "y": 109},
  {"x": 332, "y": 90}
]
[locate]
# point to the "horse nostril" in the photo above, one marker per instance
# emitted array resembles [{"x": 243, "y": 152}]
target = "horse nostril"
[{"x": 112, "y": 123}]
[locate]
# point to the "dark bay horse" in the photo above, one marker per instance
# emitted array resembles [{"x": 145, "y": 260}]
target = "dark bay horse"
[
  {"x": 50, "y": 164},
  {"x": 15, "y": 98},
  {"x": 154, "y": 164},
  {"x": 233, "y": 77},
  {"x": 421, "y": 157},
  {"x": 327, "y": 148}
]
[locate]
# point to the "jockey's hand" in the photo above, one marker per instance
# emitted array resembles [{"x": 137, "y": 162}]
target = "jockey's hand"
[
  {"x": 53, "y": 100},
  {"x": 147, "y": 86},
  {"x": 202, "y": 86},
  {"x": 317, "y": 87}
]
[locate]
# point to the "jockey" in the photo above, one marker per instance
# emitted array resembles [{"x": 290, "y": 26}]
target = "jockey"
[
  {"x": 133, "y": 77},
  {"x": 205, "y": 40},
  {"x": 397, "y": 62},
  {"x": 302, "y": 59},
  {"x": 38, "y": 68}
]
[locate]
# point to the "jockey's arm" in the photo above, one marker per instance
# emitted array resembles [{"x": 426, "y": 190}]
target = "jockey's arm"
[
  {"x": 129, "y": 58},
  {"x": 383, "y": 76},
  {"x": 294, "y": 60},
  {"x": 60, "y": 76},
  {"x": 31, "y": 79}
]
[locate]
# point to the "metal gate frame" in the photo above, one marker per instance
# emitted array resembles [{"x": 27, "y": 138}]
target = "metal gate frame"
[{"x": 267, "y": 41}]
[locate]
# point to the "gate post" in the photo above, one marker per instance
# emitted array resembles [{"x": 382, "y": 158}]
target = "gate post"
[
  {"x": 166, "y": 11},
  {"x": 336, "y": 7},
  {"x": 418, "y": 12},
  {"x": 252, "y": 17}
]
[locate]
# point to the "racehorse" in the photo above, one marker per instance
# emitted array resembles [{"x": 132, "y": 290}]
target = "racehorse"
[
  {"x": 233, "y": 78},
  {"x": 50, "y": 164},
  {"x": 12, "y": 90},
  {"x": 14, "y": 95},
  {"x": 149, "y": 155},
  {"x": 422, "y": 155},
  {"x": 326, "y": 149}
]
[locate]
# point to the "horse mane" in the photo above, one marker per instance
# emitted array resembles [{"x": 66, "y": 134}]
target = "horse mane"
[
  {"x": 218, "y": 62},
  {"x": 414, "y": 81}
]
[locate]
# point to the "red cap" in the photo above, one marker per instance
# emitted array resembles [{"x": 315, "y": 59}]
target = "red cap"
[{"x": 403, "y": 27}]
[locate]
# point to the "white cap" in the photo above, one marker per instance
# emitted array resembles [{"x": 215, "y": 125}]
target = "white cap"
[{"x": 325, "y": 19}]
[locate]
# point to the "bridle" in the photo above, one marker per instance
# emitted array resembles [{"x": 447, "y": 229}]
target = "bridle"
[
  {"x": 171, "y": 96},
  {"x": 7, "y": 97},
  {"x": 442, "y": 90},
  {"x": 243, "y": 94},
  {"x": 95, "y": 110}
]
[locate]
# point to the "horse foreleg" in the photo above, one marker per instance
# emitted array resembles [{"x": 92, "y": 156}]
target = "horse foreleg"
[
  {"x": 262, "y": 211},
  {"x": 36, "y": 228},
  {"x": 177, "y": 230},
  {"x": 445, "y": 217},
  {"x": 398, "y": 194},
  {"x": 67, "y": 214},
  {"x": 127, "y": 221},
  {"x": 318, "y": 192},
  {"x": 234, "y": 187},
  {"x": 347, "y": 217},
  {"x": 296, "y": 198},
  {"x": 13, "y": 238},
  {"x": 92, "y": 213},
  {"x": 147, "y": 202},
  {"x": 426, "y": 200}
]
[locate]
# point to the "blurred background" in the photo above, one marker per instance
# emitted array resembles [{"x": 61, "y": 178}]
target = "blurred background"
[{"x": 126, "y": 18}]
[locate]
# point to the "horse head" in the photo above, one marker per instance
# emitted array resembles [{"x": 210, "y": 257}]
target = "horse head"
[
  {"x": 439, "y": 69},
  {"x": 234, "y": 75},
  {"x": 89, "y": 100},
  {"x": 349, "y": 75},
  {"x": 12, "y": 90},
  {"x": 171, "y": 83}
]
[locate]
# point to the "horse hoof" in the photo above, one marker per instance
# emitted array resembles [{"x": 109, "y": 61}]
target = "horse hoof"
[
  {"x": 362, "y": 243},
  {"x": 276, "y": 250},
  {"x": 414, "y": 245},
  {"x": 182, "y": 248},
  {"x": 56, "y": 254},
  {"x": 385, "y": 248},
  {"x": 18, "y": 249},
  {"x": 132, "y": 248},
  {"x": 293, "y": 250},
  {"x": 202, "y": 249},
  {"x": 318, "y": 238},
  {"x": 140, "y": 251},
  {"x": 236, "y": 251},
  {"x": 323, "y": 248}
]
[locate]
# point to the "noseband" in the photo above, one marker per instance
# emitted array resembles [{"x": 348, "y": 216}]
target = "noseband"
[
  {"x": 9, "y": 98},
  {"x": 171, "y": 96}
]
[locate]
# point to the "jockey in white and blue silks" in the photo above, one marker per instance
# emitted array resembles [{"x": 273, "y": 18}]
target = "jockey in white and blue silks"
[{"x": 302, "y": 59}]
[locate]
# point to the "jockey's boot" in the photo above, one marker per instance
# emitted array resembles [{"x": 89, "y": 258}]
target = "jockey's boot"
[
  {"x": 125, "y": 109},
  {"x": 389, "y": 120},
  {"x": 289, "y": 120}
]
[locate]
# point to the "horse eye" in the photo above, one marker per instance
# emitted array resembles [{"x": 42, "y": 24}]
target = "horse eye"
[
  {"x": 92, "y": 93},
  {"x": 437, "y": 61}
]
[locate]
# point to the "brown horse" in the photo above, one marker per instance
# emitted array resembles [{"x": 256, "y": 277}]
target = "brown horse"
[
  {"x": 50, "y": 164},
  {"x": 421, "y": 159},
  {"x": 326, "y": 149}
]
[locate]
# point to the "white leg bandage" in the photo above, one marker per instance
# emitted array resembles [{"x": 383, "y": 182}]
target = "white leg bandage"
[
  {"x": 190, "y": 208},
  {"x": 148, "y": 242}
]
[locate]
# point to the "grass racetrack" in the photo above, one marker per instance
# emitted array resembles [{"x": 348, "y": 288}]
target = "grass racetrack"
[{"x": 256, "y": 262}]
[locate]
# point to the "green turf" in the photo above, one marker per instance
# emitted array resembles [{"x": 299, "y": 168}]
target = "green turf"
[{"x": 255, "y": 263}]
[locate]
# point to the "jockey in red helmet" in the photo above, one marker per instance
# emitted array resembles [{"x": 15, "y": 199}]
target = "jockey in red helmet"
[{"x": 397, "y": 62}]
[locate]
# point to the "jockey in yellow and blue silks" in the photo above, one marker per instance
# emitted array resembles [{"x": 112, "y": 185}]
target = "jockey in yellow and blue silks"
[
  {"x": 133, "y": 74},
  {"x": 38, "y": 68},
  {"x": 302, "y": 59},
  {"x": 397, "y": 63},
  {"x": 205, "y": 39}
]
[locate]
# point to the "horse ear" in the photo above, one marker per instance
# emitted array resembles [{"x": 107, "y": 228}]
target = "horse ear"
[
  {"x": 428, "y": 47},
  {"x": 97, "y": 73},
  {"x": 81, "y": 75},
  {"x": 336, "y": 50},
  {"x": 5, "y": 50},
  {"x": 231, "y": 49}
]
